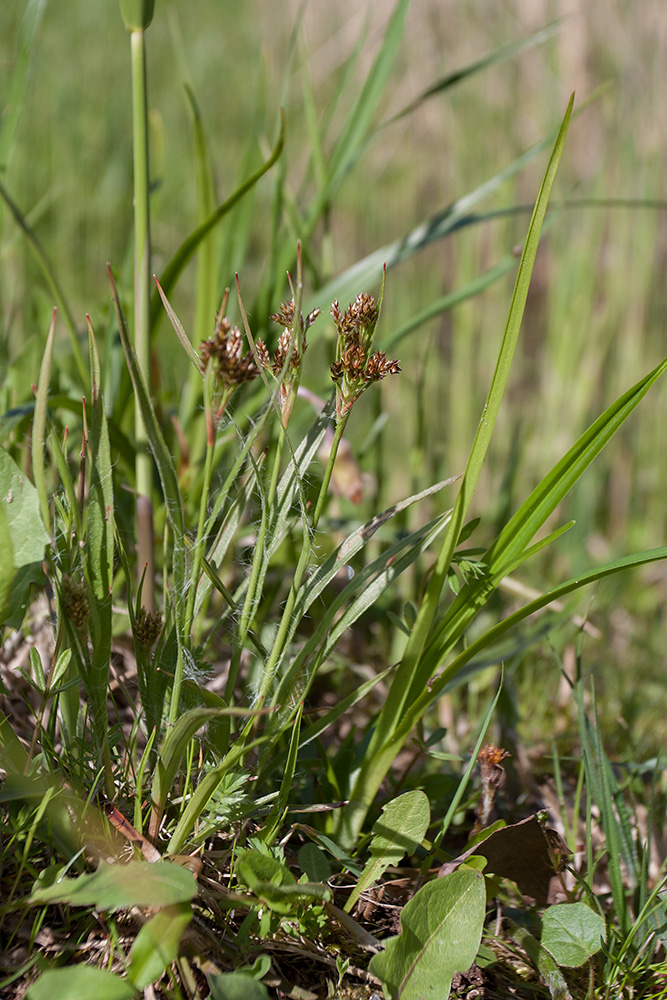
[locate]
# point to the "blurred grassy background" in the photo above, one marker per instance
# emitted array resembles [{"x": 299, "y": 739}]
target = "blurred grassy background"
[{"x": 596, "y": 316}]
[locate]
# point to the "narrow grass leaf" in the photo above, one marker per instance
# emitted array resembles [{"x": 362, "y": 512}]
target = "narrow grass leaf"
[
  {"x": 366, "y": 271},
  {"x": 360, "y": 117},
  {"x": 161, "y": 454},
  {"x": 206, "y": 787},
  {"x": 187, "y": 249},
  {"x": 52, "y": 282},
  {"x": 207, "y": 279},
  {"x": 494, "y": 633},
  {"x": 173, "y": 750},
  {"x": 179, "y": 330},
  {"x": 278, "y": 810},
  {"x": 500, "y": 54},
  {"x": 39, "y": 426}
]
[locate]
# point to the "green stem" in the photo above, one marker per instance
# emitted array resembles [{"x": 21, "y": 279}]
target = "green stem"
[
  {"x": 338, "y": 435},
  {"x": 302, "y": 566},
  {"x": 250, "y": 603},
  {"x": 200, "y": 537},
  {"x": 142, "y": 265}
]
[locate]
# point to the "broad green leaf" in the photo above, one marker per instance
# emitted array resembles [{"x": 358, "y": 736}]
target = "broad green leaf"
[
  {"x": 441, "y": 928},
  {"x": 80, "y": 982},
  {"x": 257, "y": 868},
  {"x": 24, "y": 541},
  {"x": 313, "y": 863},
  {"x": 236, "y": 986},
  {"x": 398, "y": 832},
  {"x": 113, "y": 887},
  {"x": 6, "y": 566},
  {"x": 157, "y": 944},
  {"x": 572, "y": 932}
]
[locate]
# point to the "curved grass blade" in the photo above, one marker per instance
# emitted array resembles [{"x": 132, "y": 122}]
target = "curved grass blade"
[
  {"x": 49, "y": 274},
  {"x": 437, "y": 685},
  {"x": 39, "y": 427},
  {"x": 498, "y": 55},
  {"x": 411, "y": 675},
  {"x": 455, "y": 216},
  {"x": 163, "y": 459},
  {"x": 509, "y": 550},
  {"x": 189, "y": 246}
]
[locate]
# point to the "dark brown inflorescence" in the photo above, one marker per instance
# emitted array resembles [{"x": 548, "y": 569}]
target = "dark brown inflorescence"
[
  {"x": 225, "y": 352},
  {"x": 355, "y": 367}
]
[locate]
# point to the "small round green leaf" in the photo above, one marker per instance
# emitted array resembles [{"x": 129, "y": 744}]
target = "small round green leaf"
[{"x": 572, "y": 932}]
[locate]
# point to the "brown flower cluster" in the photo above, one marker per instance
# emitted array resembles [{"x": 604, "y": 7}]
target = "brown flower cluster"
[
  {"x": 225, "y": 351},
  {"x": 288, "y": 355},
  {"x": 355, "y": 368}
]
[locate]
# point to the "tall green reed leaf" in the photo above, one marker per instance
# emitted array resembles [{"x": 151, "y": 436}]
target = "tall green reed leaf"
[{"x": 410, "y": 674}]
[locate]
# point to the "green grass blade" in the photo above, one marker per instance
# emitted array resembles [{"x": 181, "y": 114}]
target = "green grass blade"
[
  {"x": 163, "y": 459},
  {"x": 49, "y": 274},
  {"x": 493, "y": 634},
  {"x": 509, "y": 550},
  {"x": 360, "y": 117},
  {"x": 207, "y": 254},
  {"x": 277, "y": 813},
  {"x": 190, "y": 245},
  {"x": 205, "y": 789},
  {"x": 500, "y": 54},
  {"x": 411, "y": 674},
  {"x": 359, "y": 595},
  {"x": 39, "y": 428},
  {"x": 365, "y": 271},
  {"x": 13, "y": 102}
]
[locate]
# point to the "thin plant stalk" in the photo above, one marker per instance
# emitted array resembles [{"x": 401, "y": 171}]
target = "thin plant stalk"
[
  {"x": 142, "y": 290},
  {"x": 301, "y": 569},
  {"x": 250, "y": 601}
]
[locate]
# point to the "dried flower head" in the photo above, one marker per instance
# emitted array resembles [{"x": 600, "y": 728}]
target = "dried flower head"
[
  {"x": 355, "y": 367},
  {"x": 74, "y": 601},
  {"x": 225, "y": 352}
]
